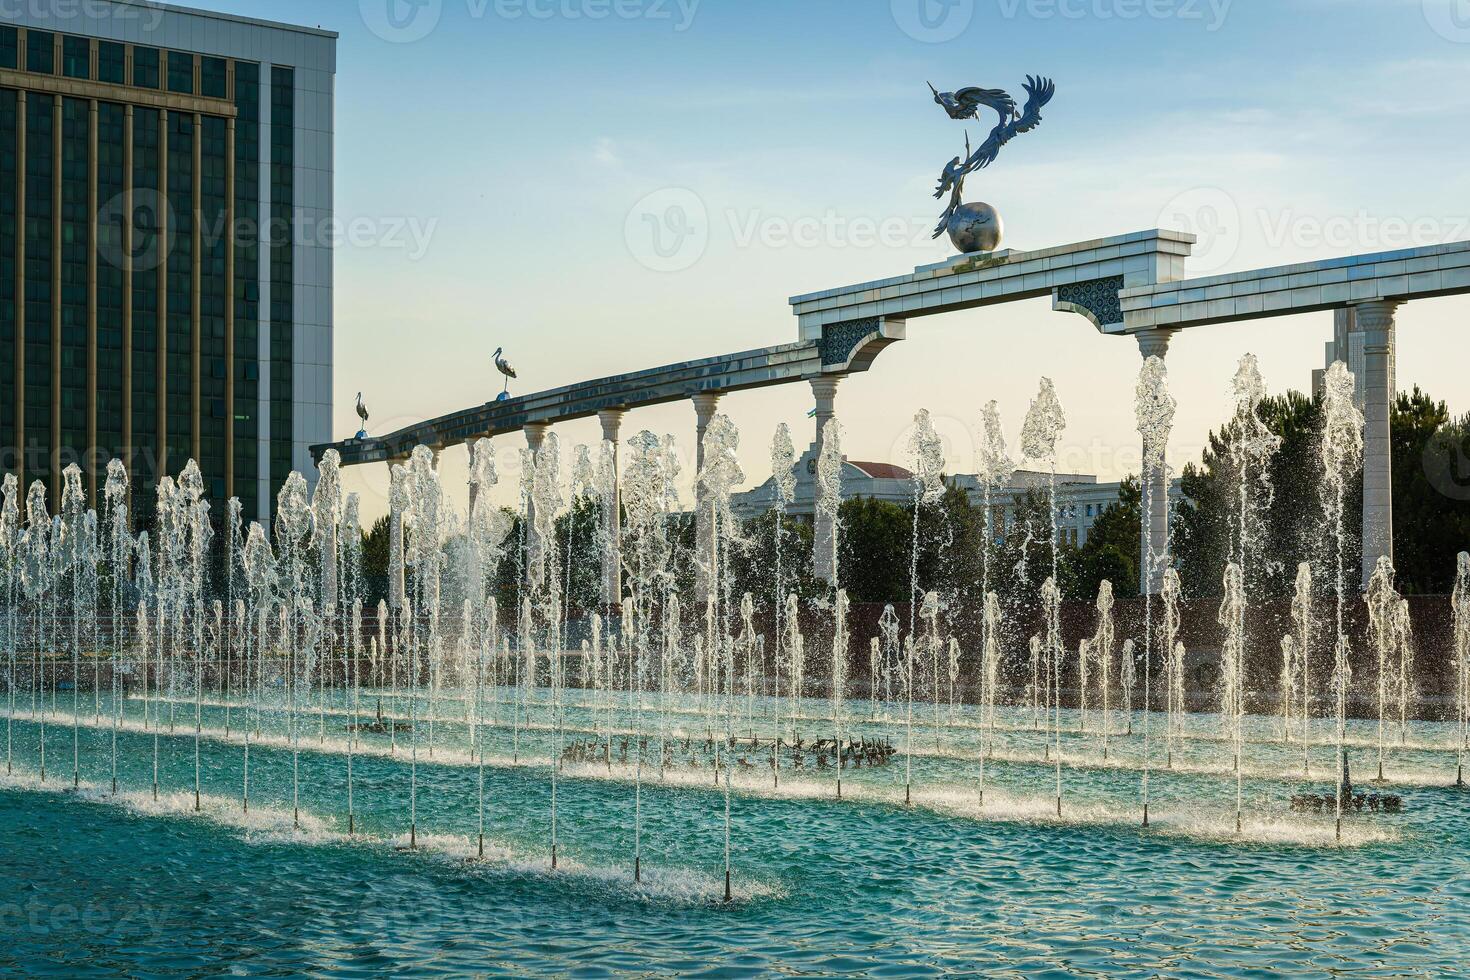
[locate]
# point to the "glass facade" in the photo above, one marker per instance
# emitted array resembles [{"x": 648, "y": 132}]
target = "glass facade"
[
  {"x": 179, "y": 301},
  {"x": 247, "y": 285},
  {"x": 111, "y": 182},
  {"x": 111, "y": 62},
  {"x": 76, "y": 244},
  {"x": 282, "y": 312},
  {"x": 213, "y": 292},
  {"x": 146, "y": 249},
  {"x": 76, "y": 57},
  {"x": 39, "y": 238},
  {"x": 9, "y": 210},
  {"x": 145, "y": 67},
  {"x": 41, "y": 52},
  {"x": 181, "y": 72},
  {"x": 9, "y": 47},
  {"x": 142, "y": 281},
  {"x": 213, "y": 78}
]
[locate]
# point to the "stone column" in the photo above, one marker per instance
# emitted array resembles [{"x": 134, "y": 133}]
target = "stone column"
[
  {"x": 1375, "y": 323},
  {"x": 705, "y": 405},
  {"x": 612, "y": 518},
  {"x": 535, "y": 559},
  {"x": 1154, "y": 537},
  {"x": 824, "y": 554}
]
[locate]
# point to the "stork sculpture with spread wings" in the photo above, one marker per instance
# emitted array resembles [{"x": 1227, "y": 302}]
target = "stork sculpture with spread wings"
[{"x": 977, "y": 227}]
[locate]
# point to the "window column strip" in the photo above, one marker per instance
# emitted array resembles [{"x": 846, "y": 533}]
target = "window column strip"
[
  {"x": 20, "y": 287},
  {"x": 92, "y": 455},
  {"x": 196, "y": 261},
  {"x": 161, "y": 369},
  {"x": 57, "y": 175},
  {"x": 230, "y": 307},
  {"x": 127, "y": 315}
]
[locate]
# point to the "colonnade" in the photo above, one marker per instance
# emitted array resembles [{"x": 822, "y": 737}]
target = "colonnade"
[{"x": 1372, "y": 329}]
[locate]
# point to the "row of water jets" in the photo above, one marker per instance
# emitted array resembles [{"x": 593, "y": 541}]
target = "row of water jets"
[{"x": 278, "y": 629}]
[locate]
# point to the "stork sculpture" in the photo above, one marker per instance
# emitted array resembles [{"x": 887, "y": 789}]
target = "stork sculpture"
[
  {"x": 503, "y": 366},
  {"x": 362, "y": 413}
]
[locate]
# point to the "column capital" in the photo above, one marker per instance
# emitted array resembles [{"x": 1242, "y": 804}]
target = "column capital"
[
  {"x": 612, "y": 422},
  {"x": 705, "y": 403},
  {"x": 535, "y": 433},
  {"x": 826, "y": 385},
  {"x": 1155, "y": 342},
  {"x": 1375, "y": 316}
]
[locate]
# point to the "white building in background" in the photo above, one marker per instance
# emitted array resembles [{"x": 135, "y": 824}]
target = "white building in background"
[{"x": 1081, "y": 499}]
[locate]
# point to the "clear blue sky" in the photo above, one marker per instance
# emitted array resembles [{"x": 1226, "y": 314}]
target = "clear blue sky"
[{"x": 517, "y": 138}]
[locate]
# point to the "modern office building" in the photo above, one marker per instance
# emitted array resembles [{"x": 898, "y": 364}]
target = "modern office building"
[{"x": 165, "y": 245}]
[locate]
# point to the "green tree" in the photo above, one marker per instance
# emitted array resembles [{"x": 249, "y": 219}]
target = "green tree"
[
  {"x": 753, "y": 566},
  {"x": 375, "y": 563},
  {"x": 1431, "y": 491},
  {"x": 1204, "y": 529},
  {"x": 873, "y": 552},
  {"x": 1112, "y": 548}
]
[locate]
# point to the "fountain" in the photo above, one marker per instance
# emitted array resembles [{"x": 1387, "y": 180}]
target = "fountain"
[
  {"x": 1460, "y": 607},
  {"x": 1154, "y": 410},
  {"x": 439, "y": 712},
  {"x": 1341, "y": 455}
]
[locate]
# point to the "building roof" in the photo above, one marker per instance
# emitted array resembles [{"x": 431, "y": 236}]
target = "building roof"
[
  {"x": 880, "y": 471},
  {"x": 218, "y": 15}
]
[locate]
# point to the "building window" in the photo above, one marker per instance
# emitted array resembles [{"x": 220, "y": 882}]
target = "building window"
[
  {"x": 111, "y": 62},
  {"x": 9, "y": 47},
  {"x": 41, "y": 52},
  {"x": 1089, "y": 510},
  {"x": 181, "y": 72},
  {"x": 145, "y": 67},
  {"x": 76, "y": 57},
  {"x": 282, "y": 309},
  {"x": 9, "y": 172},
  {"x": 212, "y": 77}
]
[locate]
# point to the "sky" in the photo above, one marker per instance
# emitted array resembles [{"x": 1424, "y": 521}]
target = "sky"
[{"x": 501, "y": 165}]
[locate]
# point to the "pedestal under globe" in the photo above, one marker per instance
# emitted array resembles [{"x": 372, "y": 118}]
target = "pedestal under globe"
[{"x": 975, "y": 228}]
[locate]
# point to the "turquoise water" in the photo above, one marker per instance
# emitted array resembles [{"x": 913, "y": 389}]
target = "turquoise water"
[{"x": 98, "y": 884}]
